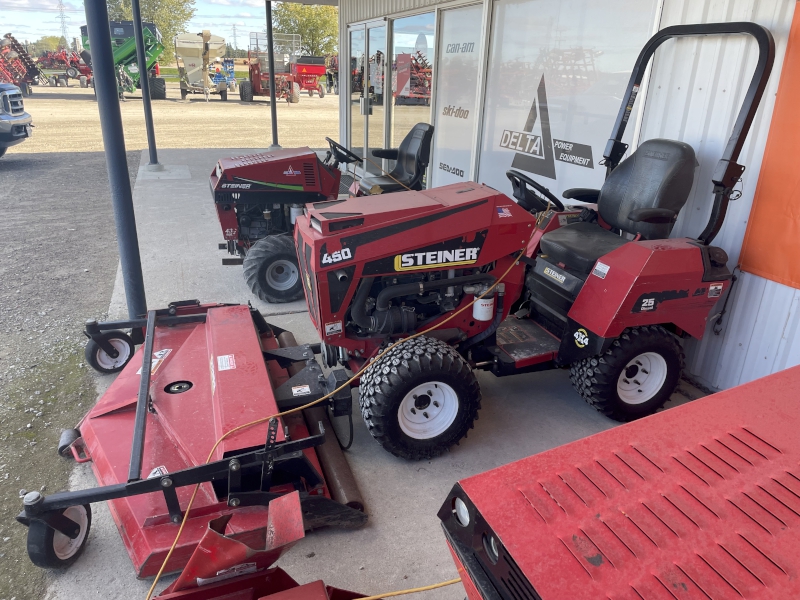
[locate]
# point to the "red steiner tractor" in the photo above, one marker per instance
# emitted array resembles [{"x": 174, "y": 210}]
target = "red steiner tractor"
[
  {"x": 259, "y": 197},
  {"x": 605, "y": 293}
]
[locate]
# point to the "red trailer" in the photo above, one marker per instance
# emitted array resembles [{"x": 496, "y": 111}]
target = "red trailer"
[{"x": 308, "y": 72}]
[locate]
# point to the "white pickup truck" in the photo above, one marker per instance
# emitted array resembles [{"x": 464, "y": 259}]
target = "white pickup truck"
[{"x": 15, "y": 123}]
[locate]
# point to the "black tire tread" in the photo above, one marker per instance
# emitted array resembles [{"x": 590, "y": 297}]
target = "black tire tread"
[
  {"x": 246, "y": 91},
  {"x": 595, "y": 378},
  {"x": 381, "y": 381},
  {"x": 40, "y": 544},
  {"x": 158, "y": 88},
  {"x": 264, "y": 248}
]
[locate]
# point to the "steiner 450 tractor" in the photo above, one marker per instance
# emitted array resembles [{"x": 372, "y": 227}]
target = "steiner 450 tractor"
[{"x": 580, "y": 294}]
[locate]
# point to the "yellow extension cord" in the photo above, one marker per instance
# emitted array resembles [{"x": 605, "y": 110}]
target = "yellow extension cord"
[{"x": 325, "y": 397}]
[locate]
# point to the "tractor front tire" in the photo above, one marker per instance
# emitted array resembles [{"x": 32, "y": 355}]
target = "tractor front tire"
[
  {"x": 158, "y": 88},
  {"x": 633, "y": 378},
  {"x": 420, "y": 398},
  {"x": 51, "y": 549},
  {"x": 246, "y": 91},
  {"x": 294, "y": 97},
  {"x": 271, "y": 271}
]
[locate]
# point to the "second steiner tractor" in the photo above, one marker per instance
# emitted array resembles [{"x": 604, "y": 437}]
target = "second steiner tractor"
[{"x": 580, "y": 294}]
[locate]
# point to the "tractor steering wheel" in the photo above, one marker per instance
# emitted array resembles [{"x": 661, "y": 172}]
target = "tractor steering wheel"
[
  {"x": 528, "y": 200},
  {"x": 341, "y": 153}
]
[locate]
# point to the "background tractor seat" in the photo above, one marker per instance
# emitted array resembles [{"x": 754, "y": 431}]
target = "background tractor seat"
[
  {"x": 643, "y": 195},
  {"x": 412, "y": 160}
]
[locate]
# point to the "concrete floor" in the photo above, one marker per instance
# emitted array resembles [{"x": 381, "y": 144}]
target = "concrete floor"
[{"x": 402, "y": 545}]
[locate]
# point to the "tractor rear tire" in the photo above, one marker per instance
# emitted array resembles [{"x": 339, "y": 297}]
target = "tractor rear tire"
[
  {"x": 84, "y": 81},
  {"x": 294, "y": 97},
  {"x": 321, "y": 90},
  {"x": 246, "y": 91},
  {"x": 633, "y": 378},
  {"x": 158, "y": 88},
  {"x": 420, "y": 398},
  {"x": 223, "y": 95},
  {"x": 271, "y": 271}
]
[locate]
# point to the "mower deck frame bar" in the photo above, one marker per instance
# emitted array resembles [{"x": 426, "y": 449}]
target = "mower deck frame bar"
[
  {"x": 137, "y": 448},
  {"x": 727, "y": 172},
  {"x": 276, "y": 453}
]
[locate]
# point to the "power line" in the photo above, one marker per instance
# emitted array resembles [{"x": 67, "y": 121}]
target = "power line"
[{"x": 63, "y": 18}]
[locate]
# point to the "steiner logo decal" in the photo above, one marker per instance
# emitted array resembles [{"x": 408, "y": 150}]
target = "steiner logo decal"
[
  {"x": 581, "y": 338},
  {"x": 553, "y": 274},
  {"x": 442, "y": 258},
  {"x": 290, "y": 172}
]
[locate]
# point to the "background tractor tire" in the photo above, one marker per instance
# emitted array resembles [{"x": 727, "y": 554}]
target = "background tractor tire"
[
  {"x": 633, "y": 378},
  {"x": 84, "y": 81},
  {"x": 271, "y": 271},
  {"x": 294, "y": 97},
  {"x": 420, "y": 398},
  {"x": 101, "y": 362},
  {"x": 50, "y": 549},
  {"x": 223, "y": 95},
  {"x": 310, "y": 93},
  {"x": 246, "y": 91},
  {"x": 184, "y": 94},
  {"x": 321, "y": 90},
  {"x": 52, "y": 81},
  {"x": 72, "y": 73},
  {"x": 158, "y": 88}
]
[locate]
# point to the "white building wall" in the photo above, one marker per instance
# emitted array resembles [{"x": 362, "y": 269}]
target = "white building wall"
[{"x": 694, "y": 95}]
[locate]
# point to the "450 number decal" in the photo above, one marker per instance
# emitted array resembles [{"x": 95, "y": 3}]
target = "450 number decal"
[{"x": 337, "y": 256}]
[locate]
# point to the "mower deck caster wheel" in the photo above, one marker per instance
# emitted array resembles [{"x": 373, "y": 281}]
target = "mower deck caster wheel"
[
  {"x": 634, "y": 377},
  {"x": 68, "y": 436},
  {"x": 51, "y": 549},
  {"x": 102, "y": 362},
  {"x": 271, "y": 271},
  {"x": 420, "y": 398}
]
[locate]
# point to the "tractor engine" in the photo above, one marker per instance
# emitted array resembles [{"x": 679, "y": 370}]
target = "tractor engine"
[{"x": 377, "y": 269}]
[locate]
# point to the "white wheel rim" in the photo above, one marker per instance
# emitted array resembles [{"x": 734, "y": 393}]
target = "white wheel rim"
[
  {"x": 64, "y": 547},
  {"x": 642, "y": 378},
  {"x": 106, "y": 362},
  {"x": 282, "y": 275},
  {"x": 428, "y": 410}
]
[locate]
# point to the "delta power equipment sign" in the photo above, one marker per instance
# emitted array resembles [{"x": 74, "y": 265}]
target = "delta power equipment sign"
[{"x": 535, "y": 149}]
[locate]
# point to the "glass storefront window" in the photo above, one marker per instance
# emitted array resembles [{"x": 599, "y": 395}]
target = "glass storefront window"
[{"x": 413, "y": 46}]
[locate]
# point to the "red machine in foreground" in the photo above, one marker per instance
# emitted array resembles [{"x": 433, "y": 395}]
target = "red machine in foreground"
[
  {"x": 576, "y": 291},
  {"x": 153, "y": 436},
  {"x": 700, "y": 501}
]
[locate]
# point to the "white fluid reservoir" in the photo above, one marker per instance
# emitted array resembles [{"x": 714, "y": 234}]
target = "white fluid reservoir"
[{"x": 483, "y": 309}]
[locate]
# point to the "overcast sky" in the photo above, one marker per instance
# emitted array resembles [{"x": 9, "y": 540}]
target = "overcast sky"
[{"x": 32, "y": 19}]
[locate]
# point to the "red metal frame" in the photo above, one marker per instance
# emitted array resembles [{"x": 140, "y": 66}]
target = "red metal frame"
[{"x": 700, "y": 501}]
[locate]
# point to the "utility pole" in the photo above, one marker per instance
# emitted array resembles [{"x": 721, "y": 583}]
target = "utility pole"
[
  {"x": 235, "y": 41},
  {"x": 273, "y": 105},
  {"x": 144, "y": 83}
]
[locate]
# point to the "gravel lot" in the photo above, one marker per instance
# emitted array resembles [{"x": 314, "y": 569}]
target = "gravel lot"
[
  {"x": 57, "y": 266},
  {"x": 66, "y": 120}
]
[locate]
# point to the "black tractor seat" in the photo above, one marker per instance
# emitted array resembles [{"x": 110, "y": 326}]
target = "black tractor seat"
[
  {"x": 642, "y": 196},
  {"x": 412, "y": 159}
]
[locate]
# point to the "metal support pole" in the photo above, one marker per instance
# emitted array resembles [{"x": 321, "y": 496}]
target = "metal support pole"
[
  {"x": 105, "y": 79},
  {"x": 144, "y": 81},
  {"x": 273, "y": 107}
]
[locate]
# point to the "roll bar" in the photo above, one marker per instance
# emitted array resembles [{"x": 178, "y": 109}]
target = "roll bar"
[{"x": 727, "y": 172}]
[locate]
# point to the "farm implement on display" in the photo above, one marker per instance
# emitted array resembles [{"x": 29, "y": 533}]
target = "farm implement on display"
[
  {"x": 59, "y": 66},
  {"x": 198, "y": 407},
  {"x": 257, "y": 83},
  {"x": 16, "y": 65},
  {"x": 308, "y": 72},
  {"x": 195, "y": 53}
]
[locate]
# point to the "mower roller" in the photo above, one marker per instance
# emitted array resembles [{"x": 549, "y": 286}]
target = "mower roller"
[
  {"x": 602, "y": 292},
  {"x": 258, "y": 198},
  {"x": 155, "y": 434},
  {"x": 701, "y": 501}
]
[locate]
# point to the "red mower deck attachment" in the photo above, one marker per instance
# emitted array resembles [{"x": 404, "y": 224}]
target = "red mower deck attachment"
[
  {"x": 701, "y": 501},
  {"x": 152, "y": 436}
]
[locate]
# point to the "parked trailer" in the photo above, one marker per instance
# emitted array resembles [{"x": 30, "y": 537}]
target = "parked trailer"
[
  {"x": 308, "y": 72},
  {"x": 194, "y": 53},
  {"x": 257, "y": 83}
]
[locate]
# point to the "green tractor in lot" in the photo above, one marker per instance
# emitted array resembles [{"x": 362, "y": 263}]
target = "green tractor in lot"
[{"x": 125, "y": 63}]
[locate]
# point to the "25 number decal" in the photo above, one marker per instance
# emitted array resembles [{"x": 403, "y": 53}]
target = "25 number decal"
[{"x": 337, "y": 256}]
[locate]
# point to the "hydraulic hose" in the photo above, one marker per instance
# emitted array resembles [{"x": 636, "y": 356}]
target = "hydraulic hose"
[{"x": 359, "y": 311}]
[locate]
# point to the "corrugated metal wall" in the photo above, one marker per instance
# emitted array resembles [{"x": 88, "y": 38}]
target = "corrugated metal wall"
[
  {"x": 351, "y": 11},
  {"x": 694, "y": 95}
]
